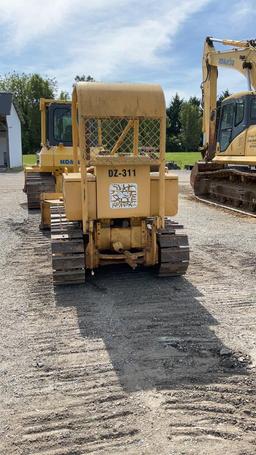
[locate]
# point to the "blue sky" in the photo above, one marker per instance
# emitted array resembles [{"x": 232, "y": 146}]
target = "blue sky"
[{"x": 122, "y": 40}]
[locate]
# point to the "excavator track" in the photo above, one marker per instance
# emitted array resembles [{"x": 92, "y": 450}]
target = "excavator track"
[
  {"x": 68, "y": 257},
  {"x": 230, "y": 188},
  {"x": 173, "y": 250},
  {"x": 226, "y": 207},
  {"x": 37, "y": 183}
]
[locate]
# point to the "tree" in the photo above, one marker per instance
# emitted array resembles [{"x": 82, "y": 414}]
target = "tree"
[
  {"x": 27, "y": 90},
  {"x": 190, "y": 119},
  {"x": 173, "y": 114},
  {"x": 173, "y": 144},
  {"x": 222, "y": 96},
  {"x": 64, "y": 96},
  {"x": 84, "y": 78},
  {"x": 195, "y": 101},
  {"x": 173, "y": 124}
]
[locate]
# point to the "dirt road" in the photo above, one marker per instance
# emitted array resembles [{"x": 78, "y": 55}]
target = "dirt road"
[{"x": 128, "y": 363}]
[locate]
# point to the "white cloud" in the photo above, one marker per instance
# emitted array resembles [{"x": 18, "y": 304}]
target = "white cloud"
[
  {"x": 109, "y": 39},
  {"x": 108, "y": 51},
  {"x": 114, "y": 40},
  {"x": 242, "y": 11},
  {"x": 26, "y": 20},
  {"x": 32, "y": 19}
]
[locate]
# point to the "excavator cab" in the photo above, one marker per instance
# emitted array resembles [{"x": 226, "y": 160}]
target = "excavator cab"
[{"x": 238, "y": 114}]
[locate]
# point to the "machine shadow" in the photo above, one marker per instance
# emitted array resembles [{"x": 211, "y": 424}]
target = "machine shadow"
[{"x": 156, "y": 331}]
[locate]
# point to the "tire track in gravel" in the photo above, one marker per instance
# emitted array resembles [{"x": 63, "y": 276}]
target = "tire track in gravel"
[
  {"x": 72, "y": 395},
  {"x": 102, "y": 344},
  {"x": 129, "y": 363}
]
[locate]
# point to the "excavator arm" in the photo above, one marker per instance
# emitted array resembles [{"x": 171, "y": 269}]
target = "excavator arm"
[{"x": 242, "y": 58}]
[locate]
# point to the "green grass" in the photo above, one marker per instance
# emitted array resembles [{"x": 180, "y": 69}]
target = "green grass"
[
  {"x": 183, "y": 158},
  {"x": 14, "y": 169},
  {"x": 29, "y": 160}
]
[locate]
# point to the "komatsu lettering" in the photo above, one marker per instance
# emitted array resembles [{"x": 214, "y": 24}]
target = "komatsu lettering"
[
  {"x": 226, "y": 61},
  {"x": 69, "y": 162}
]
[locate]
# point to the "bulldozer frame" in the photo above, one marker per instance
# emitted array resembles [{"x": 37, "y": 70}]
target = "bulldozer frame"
[{"x": 119, "y": 212}]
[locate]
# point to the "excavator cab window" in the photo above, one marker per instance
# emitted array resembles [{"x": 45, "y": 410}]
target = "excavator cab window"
[
  {"x": 239, "y": 112},
  {"x": 226, "y": 125},
  {"x": 59, "y": 124},
  {"x": 253, "y": 109},
  {"x": 234, "y": 119}
]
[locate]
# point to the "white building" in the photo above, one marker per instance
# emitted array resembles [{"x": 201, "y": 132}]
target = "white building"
[{"x": 10, "y": 133}]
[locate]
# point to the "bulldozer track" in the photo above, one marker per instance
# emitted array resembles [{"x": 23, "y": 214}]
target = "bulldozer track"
[
  {"x": 37, "y": 183},
  {"x": 173, "y": 250},
  {"x": 224, "y": 206},
  {"x": 67, "y": 243},
  {"x": 68, "y": 251}
]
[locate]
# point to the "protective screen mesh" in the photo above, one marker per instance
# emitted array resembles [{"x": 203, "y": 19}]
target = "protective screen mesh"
[{"x": 117, "y": 135}]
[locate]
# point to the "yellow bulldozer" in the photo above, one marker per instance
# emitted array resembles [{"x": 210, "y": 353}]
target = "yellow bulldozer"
[
  {"x": 56, "y": 151},
  {"x": 227, "y": 175},
  {"x": 116, "y": 208}
]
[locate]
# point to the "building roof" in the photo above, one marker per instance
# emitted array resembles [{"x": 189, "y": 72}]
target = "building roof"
[{"x": 5, "y": 103}]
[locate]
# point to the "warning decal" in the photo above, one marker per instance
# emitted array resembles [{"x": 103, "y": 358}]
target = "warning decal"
[{"x": 123, "y": 195}]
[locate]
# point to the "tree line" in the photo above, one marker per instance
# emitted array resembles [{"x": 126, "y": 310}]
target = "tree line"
[
  {"x": 27, "y": 90},
  {"x": 184, "y": 118},
  {"x": 184, "y": 124}
]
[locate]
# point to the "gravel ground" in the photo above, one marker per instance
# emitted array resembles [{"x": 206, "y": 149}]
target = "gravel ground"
[{"x": 128, "y": 363}]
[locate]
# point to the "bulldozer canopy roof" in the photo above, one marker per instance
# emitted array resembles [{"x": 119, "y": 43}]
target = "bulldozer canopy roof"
[{"x": 101, "y": 100}]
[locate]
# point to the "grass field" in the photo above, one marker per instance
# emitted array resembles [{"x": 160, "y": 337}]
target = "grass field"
[{"x": 181, "y": 158}]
